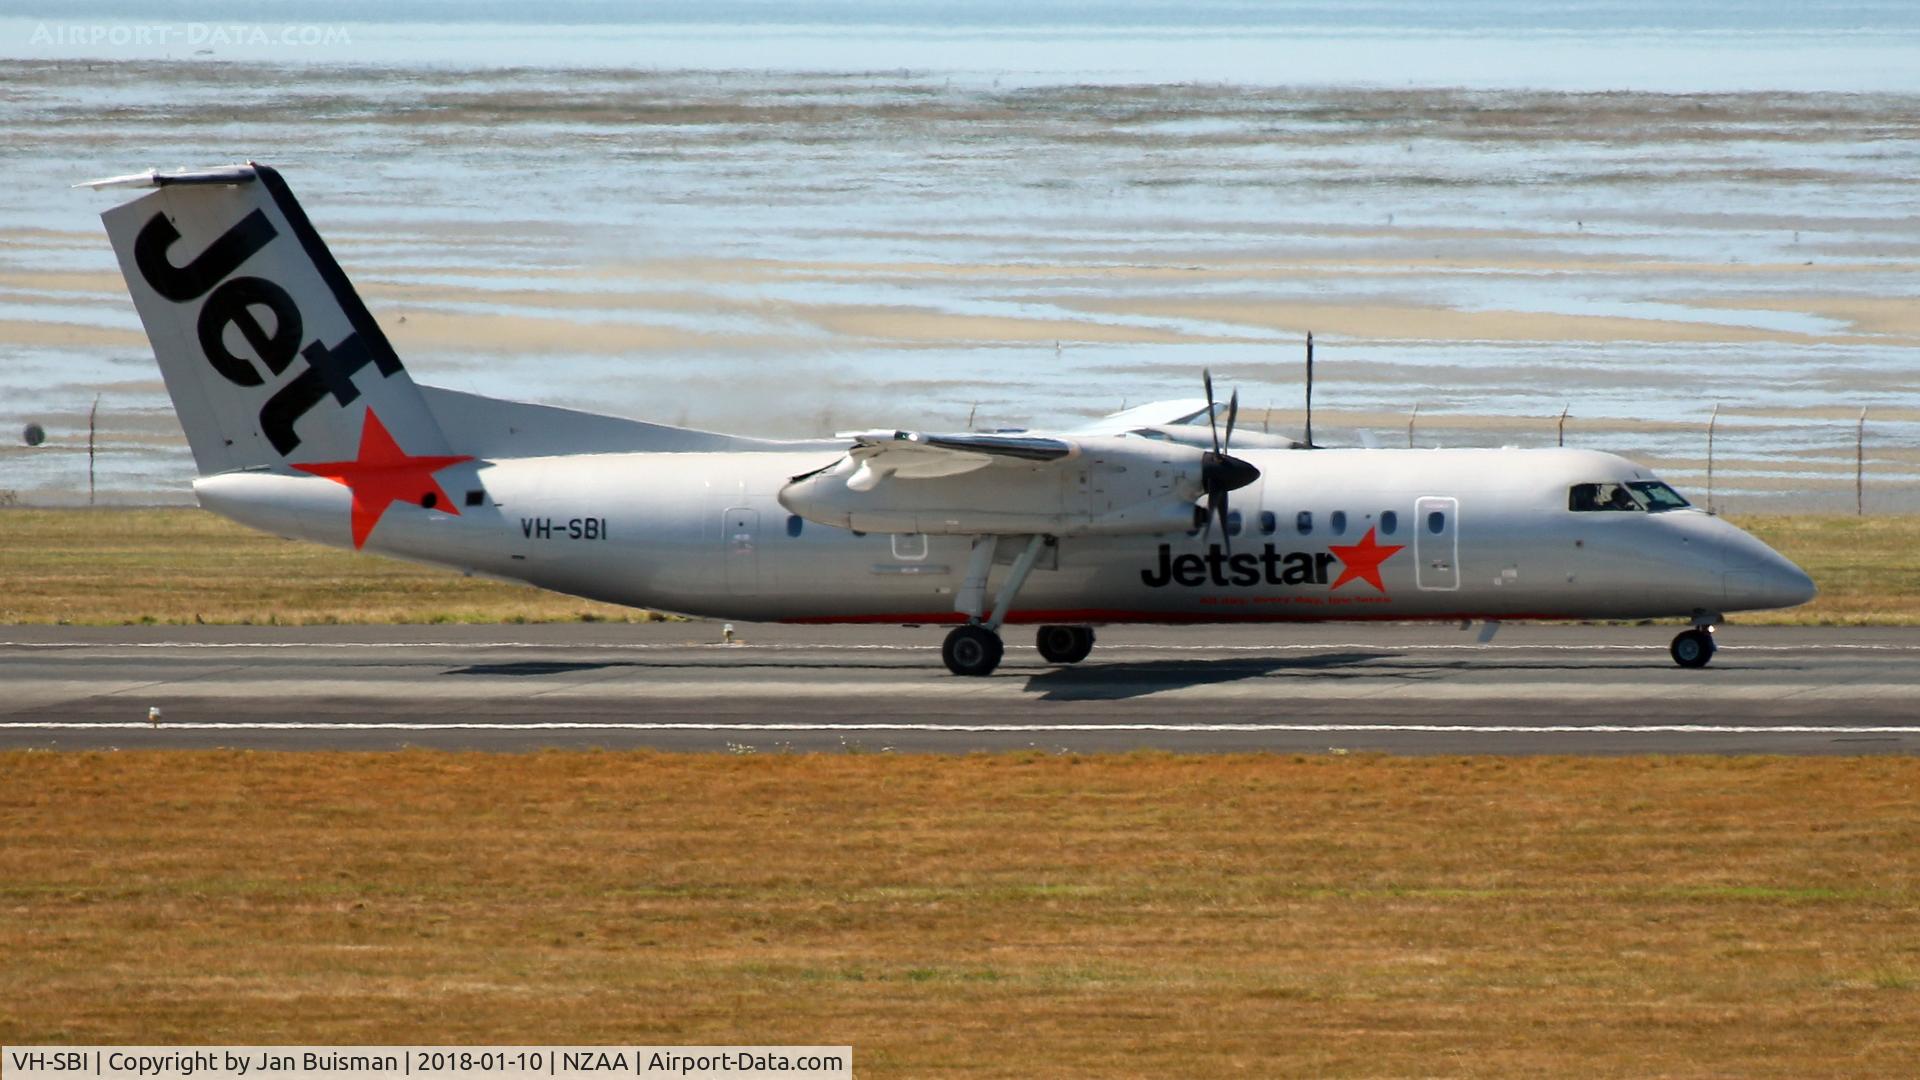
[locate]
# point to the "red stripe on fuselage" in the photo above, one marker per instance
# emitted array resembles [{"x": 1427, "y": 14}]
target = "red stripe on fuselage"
[{"x": 1082, "y": 616}]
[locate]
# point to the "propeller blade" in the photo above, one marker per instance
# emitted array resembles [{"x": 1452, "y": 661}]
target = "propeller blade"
[
  {"x": 1221, "y": 472},
  {"x": 1206, "y": 379}
]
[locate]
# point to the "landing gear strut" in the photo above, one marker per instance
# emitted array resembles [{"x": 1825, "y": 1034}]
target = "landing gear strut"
[
  {"x": 1064, "y": 644},
  {"x": 976, "y": 649},
  {"x": 1693, "y": 648}
]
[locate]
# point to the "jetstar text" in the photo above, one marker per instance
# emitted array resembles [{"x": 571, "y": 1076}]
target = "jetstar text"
[{"x": 1269, "y": 565}]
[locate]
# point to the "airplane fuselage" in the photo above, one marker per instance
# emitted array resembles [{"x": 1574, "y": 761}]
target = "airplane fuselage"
[{"x": 1324, "y": 535}]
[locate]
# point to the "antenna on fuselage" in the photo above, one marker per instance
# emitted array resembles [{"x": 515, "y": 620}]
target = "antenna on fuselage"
[{"x": 1309, "y": 431}]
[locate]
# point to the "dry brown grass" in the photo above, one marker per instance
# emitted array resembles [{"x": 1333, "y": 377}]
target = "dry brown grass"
[
  {"x": 1014, "y": 915},
  {"x": 1867, "y": 568},
  {"x": 117, "y": 566},
  {"x": 179, "y": 565}
]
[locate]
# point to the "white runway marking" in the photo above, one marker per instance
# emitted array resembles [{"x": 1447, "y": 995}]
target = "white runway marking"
[
  {"x": 1049, "y": 729},
  {"x": 798, "y": 647}
]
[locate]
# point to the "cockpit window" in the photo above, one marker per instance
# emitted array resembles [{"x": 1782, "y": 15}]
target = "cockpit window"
[
  {"x": 1585, "y": 497},
  {"x": 1657, "y": 495},
  {"x": 1639, "y": 496}
]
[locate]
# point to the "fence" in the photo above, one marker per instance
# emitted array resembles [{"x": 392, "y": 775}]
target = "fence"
[{"x": 1744, "y": 458}]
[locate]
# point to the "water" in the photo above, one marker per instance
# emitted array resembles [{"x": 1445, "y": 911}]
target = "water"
[
  {"x": 1603, "y": 45},
  {"x": 879, "y": 218}
]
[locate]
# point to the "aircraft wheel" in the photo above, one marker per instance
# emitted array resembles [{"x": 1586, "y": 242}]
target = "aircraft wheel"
[
  {"x": 972, "y": 650},
  {"x": 1693, "y": 648},
  {"x": 1064, "y": 644}
]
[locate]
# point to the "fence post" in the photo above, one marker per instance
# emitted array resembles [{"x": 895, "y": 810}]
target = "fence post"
[
  {"x": 1713, "y": 419},
  {"x": 1415, "y": 415},
  {"x": 1860, "y": 466},
  {"x": 91, "y": 415},
  {"x": 1561, "y": 435}
]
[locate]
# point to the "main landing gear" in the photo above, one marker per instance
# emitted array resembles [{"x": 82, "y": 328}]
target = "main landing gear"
[
  {"x": 972, "y": 650},
  {"x": 976, "y": 648},
  {"x": 1064, "y": 644}
]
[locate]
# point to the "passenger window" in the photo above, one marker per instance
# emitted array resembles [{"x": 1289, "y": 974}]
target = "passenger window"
[
  {"x": 1584, "y": 498},
  {"x": 1233, "y": 523},
  {"x": 1303, "y": 521},
  {"x": 1389, "y": 522},
  {"x": 794, "y": 524},
  {"x": 910, "y": 546},
  {"x": 1268, "y": 523},
  {"x": 1338, "y": 523},
  {"x": 1436, "y": 523}
]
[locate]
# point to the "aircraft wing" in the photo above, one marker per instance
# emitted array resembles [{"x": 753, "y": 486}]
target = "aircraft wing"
[
  {"x": 918, "y": 455},
  {"x": 1152, "y": 414}
]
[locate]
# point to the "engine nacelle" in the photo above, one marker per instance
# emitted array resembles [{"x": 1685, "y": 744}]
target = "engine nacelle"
[{"x": 1110, "y": 486}]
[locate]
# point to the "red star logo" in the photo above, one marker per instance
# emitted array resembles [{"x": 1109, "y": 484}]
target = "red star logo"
[
  {"x": 1362, "y": 560},
  {"x": 384, "y": 474}
]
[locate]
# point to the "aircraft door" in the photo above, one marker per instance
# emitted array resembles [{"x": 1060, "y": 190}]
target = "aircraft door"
[
  {"x": 1436, "y": 542},
  {"x": 740, "y": 536}
]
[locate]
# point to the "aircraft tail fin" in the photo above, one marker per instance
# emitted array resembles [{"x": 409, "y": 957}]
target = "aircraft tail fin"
[{"x": 271, "y": 358}]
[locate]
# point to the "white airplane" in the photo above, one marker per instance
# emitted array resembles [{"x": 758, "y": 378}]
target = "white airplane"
[{"x": 303, "y": 423}]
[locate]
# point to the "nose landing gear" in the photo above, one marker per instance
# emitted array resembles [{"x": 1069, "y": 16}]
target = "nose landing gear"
[{"x": 1693, "y": 648}]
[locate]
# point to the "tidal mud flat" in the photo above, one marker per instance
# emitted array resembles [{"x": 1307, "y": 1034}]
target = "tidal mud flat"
[{"x": 795, "y": 253}]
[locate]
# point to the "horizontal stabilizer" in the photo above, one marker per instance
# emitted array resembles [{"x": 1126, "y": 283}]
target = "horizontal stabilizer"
[{"x": 153, "y": 178}]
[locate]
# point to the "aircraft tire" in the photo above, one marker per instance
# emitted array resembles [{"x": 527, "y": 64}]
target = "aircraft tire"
[
  {"x": 1693, "y": 648},
  {"x": 1064, "y": 644},
  {"x": 972, "y": 650}
]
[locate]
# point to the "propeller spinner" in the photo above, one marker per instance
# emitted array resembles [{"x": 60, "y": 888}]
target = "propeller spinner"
[{"x": 1221, "y": 472}]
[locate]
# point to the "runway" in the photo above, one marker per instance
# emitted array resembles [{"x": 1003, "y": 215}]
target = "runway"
[{"x": 1406, "y": 689}]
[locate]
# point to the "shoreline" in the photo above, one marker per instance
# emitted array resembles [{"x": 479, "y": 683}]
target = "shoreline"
[{"x": 890, "y": 250}]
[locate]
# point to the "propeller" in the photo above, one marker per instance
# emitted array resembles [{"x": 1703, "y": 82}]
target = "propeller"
[{"x": 1221, "y": 472}]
